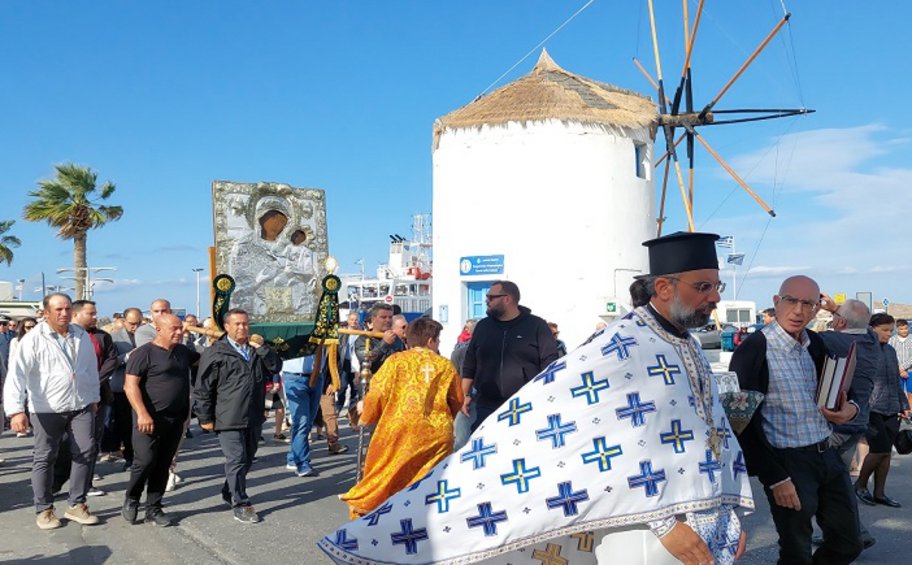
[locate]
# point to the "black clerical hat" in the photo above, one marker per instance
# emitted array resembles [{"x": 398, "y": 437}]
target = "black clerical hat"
[{"x": 682, "y": 251}]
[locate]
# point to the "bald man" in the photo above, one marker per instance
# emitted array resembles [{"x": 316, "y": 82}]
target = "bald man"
[
  {"x": 145, "y": 334},
  {"x": 786, "y": 442},
  {"x": 158, "y": 388}
]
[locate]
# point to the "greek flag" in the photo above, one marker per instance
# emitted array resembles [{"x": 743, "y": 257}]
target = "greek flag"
[
  {"x": 736, "y": 258},
  {"x": 726, "y": 241}
]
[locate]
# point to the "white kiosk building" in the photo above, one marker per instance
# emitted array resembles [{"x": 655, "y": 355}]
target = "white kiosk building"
[{"x": 546, "y": 182}]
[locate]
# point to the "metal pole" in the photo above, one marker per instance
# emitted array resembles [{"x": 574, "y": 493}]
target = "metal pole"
[
  {"x": 198, "y": 270},
  {"x": 734, "y": 273}
]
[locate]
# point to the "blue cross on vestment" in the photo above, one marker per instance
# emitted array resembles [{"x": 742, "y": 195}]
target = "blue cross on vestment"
[
  {"x": 635, "y": 410},
  {"x": 551, "y": 371},
  {"x": 520, "y": 475},
  {"x": 487, "y": 519},
  {"x": 620, "y": 346},
  {"x": 345, "y": 543},
  {"x": 677, "y": 436},
  {"x": 514, "y": 411},
  {"x": 443, "y": 496},
  {"x": 590, "y": 387},
  {"x": 662, "y": 368},
  {"x": 647, "y": 478},
  {"x": 478, "y": 453},
  {"x": 724, "y": 432},
  {"x": 710, "y": 466},
  {"x": 602, "y": 454},
  {"x": 566, "y": 499},
  {"x": 408, "y": 536},
  {"x": 555, "y": 431},
  {"x": 374, "y": 516},
  {"x": 739, "y": 466}
]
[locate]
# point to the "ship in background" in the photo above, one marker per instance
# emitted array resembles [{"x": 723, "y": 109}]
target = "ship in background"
[{"x": 405, "y": 280}]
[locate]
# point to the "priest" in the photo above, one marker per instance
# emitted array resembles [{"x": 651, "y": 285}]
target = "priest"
[{"x": 619, "y": 452}]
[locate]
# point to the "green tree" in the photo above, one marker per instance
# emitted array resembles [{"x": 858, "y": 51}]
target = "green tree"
[
  {"x": 70, "y": 203},
  {"x": 7, "y": 241}
]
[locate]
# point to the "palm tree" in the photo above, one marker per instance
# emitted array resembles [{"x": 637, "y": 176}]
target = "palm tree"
[
  {"x": 68, "y": 203},
  {"x": 7, "y": 241}
]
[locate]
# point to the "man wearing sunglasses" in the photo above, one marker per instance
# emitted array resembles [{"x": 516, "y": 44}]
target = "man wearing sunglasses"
[
  {"x": 786, "y": 444},
  {"x": 507, "y": 349}
]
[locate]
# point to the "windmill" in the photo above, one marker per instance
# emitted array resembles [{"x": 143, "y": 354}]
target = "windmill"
[{"x": 679, "y": 112}]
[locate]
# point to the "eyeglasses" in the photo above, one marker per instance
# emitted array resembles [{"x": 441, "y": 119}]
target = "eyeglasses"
[
  {"x": 703, "y": 287},
  {"x": 806, "y": 305},
  {"x": 29, "y": 327},
  {"x": 490, "y": 297}
]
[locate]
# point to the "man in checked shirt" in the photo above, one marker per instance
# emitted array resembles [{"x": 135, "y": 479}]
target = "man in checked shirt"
[{"x": 785, "y": 445}]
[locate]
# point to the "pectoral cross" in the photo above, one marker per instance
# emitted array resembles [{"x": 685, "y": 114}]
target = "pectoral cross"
[
  {"x": 714, "y": 443},
  {"x": 428, "y": 371}
]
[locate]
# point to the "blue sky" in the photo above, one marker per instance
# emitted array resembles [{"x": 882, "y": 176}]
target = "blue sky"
[{"x": 162, "y": 98}]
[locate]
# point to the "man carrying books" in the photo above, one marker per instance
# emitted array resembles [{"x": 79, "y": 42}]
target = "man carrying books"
[
  {"x": 786, "y": 443},
  {"x": 850, "y": 327}
]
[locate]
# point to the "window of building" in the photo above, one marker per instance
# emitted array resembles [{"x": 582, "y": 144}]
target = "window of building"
[{"x": 642, "y": 160}]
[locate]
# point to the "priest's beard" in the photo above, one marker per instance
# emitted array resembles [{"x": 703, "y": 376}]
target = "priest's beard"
[{"x": 686, "y": 317}]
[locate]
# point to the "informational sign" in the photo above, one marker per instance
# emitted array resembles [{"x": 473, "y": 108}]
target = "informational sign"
[
  {"x": 885, "y": 302},
  {"x": 867, "y": 298},
  {"x": 839, "y": 297},
  {"x": 388, "y": 298},
  {"x": 481, "y": 265},
  {"x": 611, "y": 307}
]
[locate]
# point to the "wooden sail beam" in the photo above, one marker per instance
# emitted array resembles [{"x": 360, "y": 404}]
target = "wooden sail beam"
[
  {"x": 669, "y": 135},
  {"x": 690, "y": 37},
  {"x": 748, "y": 62},
  {"x": 661, "y": 218},
  {"x": 735, "y": 175}
]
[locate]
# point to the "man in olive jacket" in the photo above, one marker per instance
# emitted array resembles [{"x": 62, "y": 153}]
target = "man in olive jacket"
[{"x": 230, "y": 395}]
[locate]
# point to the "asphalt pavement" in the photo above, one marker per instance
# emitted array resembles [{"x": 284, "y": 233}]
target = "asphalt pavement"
[{"x": 296, "y": 512}]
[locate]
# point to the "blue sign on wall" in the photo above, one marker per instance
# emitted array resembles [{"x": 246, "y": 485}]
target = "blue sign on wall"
[{"x": 482, "y": 265}]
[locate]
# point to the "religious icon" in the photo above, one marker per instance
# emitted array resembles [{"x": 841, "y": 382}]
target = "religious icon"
[{"x": 271, "y": 238}]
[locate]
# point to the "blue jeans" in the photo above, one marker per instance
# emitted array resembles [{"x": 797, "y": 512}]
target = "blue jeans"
[{"x": 303, "y": 403}]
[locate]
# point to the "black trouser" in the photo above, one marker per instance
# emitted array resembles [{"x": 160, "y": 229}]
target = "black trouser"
[
  {"x": 482, "y": 411},
  {"x": 825, "y": 491},
  {"x": 152, "y": 455},
  {"x": 123, "y": 424},
  {"x": 239, "y": 447},
  {"x": 347, "y": 376}
]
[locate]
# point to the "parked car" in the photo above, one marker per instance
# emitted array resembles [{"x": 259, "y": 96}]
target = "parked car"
[{"x": 710, "y": 337}]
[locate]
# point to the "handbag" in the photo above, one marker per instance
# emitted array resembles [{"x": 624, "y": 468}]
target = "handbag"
[{"x": 903, "y": 441}]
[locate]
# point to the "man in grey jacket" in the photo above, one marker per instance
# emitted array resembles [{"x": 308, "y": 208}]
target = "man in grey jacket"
[{"x": 57, "y": 371}]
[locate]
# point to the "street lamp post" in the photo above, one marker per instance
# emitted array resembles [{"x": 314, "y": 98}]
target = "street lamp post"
[
  {"x": 86, "y": 277},
  {"x": 198, "y": 270}
]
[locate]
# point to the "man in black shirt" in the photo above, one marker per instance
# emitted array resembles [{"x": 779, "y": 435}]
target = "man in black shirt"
[
  {"x": 507, "y": 349},
  {"x": 158, "y": 387}
]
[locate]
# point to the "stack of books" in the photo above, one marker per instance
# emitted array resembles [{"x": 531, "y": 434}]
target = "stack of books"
[{"x": 835, "y": 378}]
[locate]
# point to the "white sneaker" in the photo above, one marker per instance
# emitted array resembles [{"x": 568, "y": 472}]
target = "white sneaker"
[
  {"x": 172, "y": 484},
  {"x": 290, "y": 467},
  {"x": 177, "y": 478}
]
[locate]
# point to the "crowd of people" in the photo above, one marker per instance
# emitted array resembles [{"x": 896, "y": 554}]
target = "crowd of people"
[{"x": 636, "y": 408}]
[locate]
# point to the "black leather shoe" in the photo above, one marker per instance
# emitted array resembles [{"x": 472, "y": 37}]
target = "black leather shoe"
[
  {"x": 129, "y": 510},
  {"x": 864, "y": 496},
  {"x": 887, "y": 501},
  {"x": 227, "y": 499},
  {"x": 159, "y": 518},
  {"x": 867, "y": 541}
]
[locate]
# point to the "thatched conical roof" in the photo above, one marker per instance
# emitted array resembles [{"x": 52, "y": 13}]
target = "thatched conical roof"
[{"x": 550, "y": 92}]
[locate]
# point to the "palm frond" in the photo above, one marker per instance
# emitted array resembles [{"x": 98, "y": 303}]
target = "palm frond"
[{"x": 107, "y": 190}]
